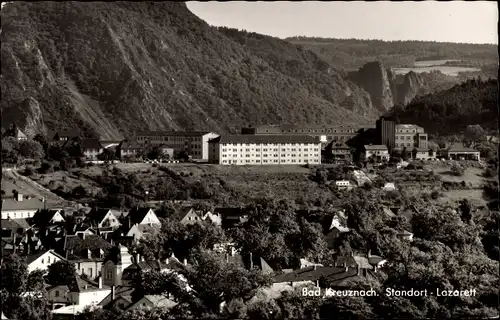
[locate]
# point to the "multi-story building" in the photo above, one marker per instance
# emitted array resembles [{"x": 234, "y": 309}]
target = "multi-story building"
[
  {"x": 386, "y": 129},
  {"x": 194, "y": 143},
  {"x": 265, "y": 150},
  {"x": 338, "y": 152},
  {"x": 326, "y": 134},
  {"x": 411, "y": 136}
]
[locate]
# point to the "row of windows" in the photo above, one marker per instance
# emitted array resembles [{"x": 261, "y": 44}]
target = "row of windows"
[
  {"x": 267, "y": 144},
  {"x": 266, "y": 150},
  {"x": 318, "y": 130},
  {"x": 402, "y": 144},
  {"x": 283, "y": 155},
  {"x": 267, "y": 161},
  {"x": 407, "y": 137}
]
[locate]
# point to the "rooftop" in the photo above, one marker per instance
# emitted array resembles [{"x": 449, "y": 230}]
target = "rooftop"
[
  {"x": 408, "y": 126},
  {"x": 9, "y": 204},
  {"x": 259, "y": 139},
  {"x": 173, "y": 133},
  {"x": 91, "y": 144},
  {"x": 80, "y": 284},
  {"x": 375, "y": 147},
  {"x": 336, "y": 276}
]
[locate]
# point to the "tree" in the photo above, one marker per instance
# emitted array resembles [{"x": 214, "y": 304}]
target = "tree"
[
  {"x": 31, "y": 149},
  {"x": 465, "y": 210},
  {"x": 405, "y": 154},
  {"x": 474, "y": 133},
  {"x": 10, "y": 150},
  {"x": 457, "y": 170},
  {"x": 60, "y": 272}
]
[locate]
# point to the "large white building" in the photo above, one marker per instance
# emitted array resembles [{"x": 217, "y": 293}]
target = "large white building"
[
  {"x": 265, "y": 150},
  {"x": 195, "y": 143}
]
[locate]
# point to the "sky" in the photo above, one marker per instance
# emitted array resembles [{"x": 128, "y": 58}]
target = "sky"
[{"x": 454, "y": 21}]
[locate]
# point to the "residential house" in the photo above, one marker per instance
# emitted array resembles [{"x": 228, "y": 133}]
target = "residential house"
[
  {"x": 423, "y": 154},
  {"x": 129, "y": 149},
  {"x": 249, "y": 261},
  {"x": 459, "y": 152},
  {"x": 63, "y": 136},
  {"x": 118, "y": 300},
  {"x": 343, "y": 184},
  {"x": 335, "y": 230},
  {"x": 20, "y": 206},
  {"x": 339, "y": 152},
  {"x": 87, "y": 252},
  {"x": 187, "y": 216},
  {"x": 47, "y": 217},
  {"x": 4, "y": 317},
  {"x": 231, "y": 217},
  {"x": 405, "y": 235},
  {"x": 212, "y": 218},
  {"x": 91, "y": 148},
  {"x": 377, "y": 152},
  {"x": 139, "y": 231},
  {"x": 389, "y": 186},
  {"x": 194, "y": 143},
  {"x": 153, "y": 301},
  {"x": 104, "y": 218},
  {"x": 42, "y": 260},
  {"x": 265, "y": 150},
  {"x": 142, "y": 216},
  {"x": 132, "y": 273},
  {"x": 166, "y": 152},
  {"x": 80, "y": 291}
]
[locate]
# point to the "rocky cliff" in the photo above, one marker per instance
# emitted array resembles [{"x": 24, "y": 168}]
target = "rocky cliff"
[
  {"x": 118, "y": 67},
  {"x": 387, "y": 89}
]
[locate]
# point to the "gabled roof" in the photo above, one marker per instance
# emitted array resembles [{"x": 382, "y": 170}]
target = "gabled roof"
[
  {"x": 184, "y": 212},
  {"x": 144, "y": 266},
  {"x": 43, "y": 217},
  {"x": 160, "y": 301},
  {"x": 10, "y": 204},
  {"x": 97, "y": 214},
  {"x": 37, "y": 255},
  {"x": 131, "y": 145},
  {"x": 136, "y": 215},
  {"x": 72, "y": 133},
  {"x": 15, "y": 224},
  {"x": 120, "y": 291},
  {"x": 91, "y": 144},
  {"x": 149, "y": 229},
  {"x": 80, "y": 284},
  {"x": 258, "y": 139}
]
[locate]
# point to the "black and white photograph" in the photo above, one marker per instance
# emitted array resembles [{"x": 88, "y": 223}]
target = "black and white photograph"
[{"x": 260, "y": 160}]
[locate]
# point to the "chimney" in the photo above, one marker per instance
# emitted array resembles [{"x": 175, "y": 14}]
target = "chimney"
[
  {"x": 185, "y": 262},
  {"x": 137, "y": 258},
  {"x": 346, "y": 269},
  {"x": 359, "y": 270},
  {"x": 314, "y": 267},
  {"x": 317, "y": 283},
  {"x": 113, "y": 293},
  {"x": 370, "y": 253},
  {"x": 19, "y": 197},
  {"x": 167, "y": 261},
  {"x": 99, "y": 280},
  {"x": 251, "y": 261}
]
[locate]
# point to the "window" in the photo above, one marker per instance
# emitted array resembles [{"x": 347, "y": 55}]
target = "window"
[
  {"x": 109, "y": 274},
  {"x": 90, "y": 272},
  {"x": 43, "y": 261},
  {"x": 57, "y": 293},
  {"x": 48, "y": 260}
]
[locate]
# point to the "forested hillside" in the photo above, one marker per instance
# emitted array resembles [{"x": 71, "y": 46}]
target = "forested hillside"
[
  {"x": 450, "y": 111},
  {"x": 353, "y": 53},
  {"x": 111, "y": 68}
]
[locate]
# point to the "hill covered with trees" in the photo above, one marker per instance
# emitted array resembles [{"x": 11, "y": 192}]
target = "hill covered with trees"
[
  {"x": 353, "y": 53},
  {"x": 450, "y": 111},
  {"x": 115, "y": 67}
]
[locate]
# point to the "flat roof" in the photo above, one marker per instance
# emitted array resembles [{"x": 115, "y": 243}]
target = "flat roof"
[
  {"x": 259, "y": 139},
  {"x": 173, "y": 133}
]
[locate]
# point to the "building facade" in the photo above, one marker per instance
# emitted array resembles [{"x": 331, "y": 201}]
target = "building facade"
[
  {"x": 265, "y": 150},
  {"x": 386, "y": 130},
  {"x": 410, "y": 136},
  {"x": 195, "y": 143},
  {"x": 376, "y": 152}
]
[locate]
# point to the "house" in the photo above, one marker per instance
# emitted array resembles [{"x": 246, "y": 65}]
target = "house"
[
  {"x": 405, "y": 235},
  {"x": 91, "y": 148},
  {"x": 389, "y": 186},
  {"x": 132, "y": 273},
  {"x": 410, "y": 135},
  {"x": 142, "y": 216},
  {"x": 63, "y": 136},
  {"x": 343, "y": 184},
  {"x": 12, "y": 228},
  {"x": 388, "y": 212},
  {"x": 47, "y": 217},
  {"x": 79, "y": 291},
  {"x": 188, "y": 216},
  {"x": 153, "y": 301},
  {"x": 459, "y": 152},
  {"x": 118, "y": 300},
  {"x": 129, "y": 149},
  {"x": 306, "y": 264},
  {"x": 165, "y": 152},
  {"x": 20, "y": 206},
  {"x": 14, "y": 131},
  {"x": 335, "y": 230},
  {"x": 42, "y": 260},
  {"x": 249, "y": 261},
  {"x": 87, "y": 252},
  {"x": 378, "y": 153},
  {"x": 423, "y": 154},
  {"x": 139, "y": 231},
  {"x": 103, "y": 218},
  {"x": 339, "y": 152},
  {"x": 212, "y": 218},
  {"x": 231, "y": 217},
  {"x": 4, "y": 317}
]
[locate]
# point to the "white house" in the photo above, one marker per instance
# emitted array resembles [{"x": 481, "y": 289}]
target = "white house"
[
  {"x": 42, "y": 260},
  {"x": 112, "y": 269},
  {"x": 139, "y": 231},
  {"x": 376, "y": 152},
  {"x": 47, "y": 217},
  {"x": 20, "y": 206},
  {"x": 142, "y": 216},
  {"x": 80, "y": 292},
  {"x": 343, "y": 184},
  {"x": 104, "y": 218}
]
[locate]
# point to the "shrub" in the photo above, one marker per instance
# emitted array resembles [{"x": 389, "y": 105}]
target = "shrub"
[
  {"x": 46, "y": 167},
  {"x": 435, "y": 195},
  {"x": 28, "y": 171},
  {"x": 457, "y": 170}
]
